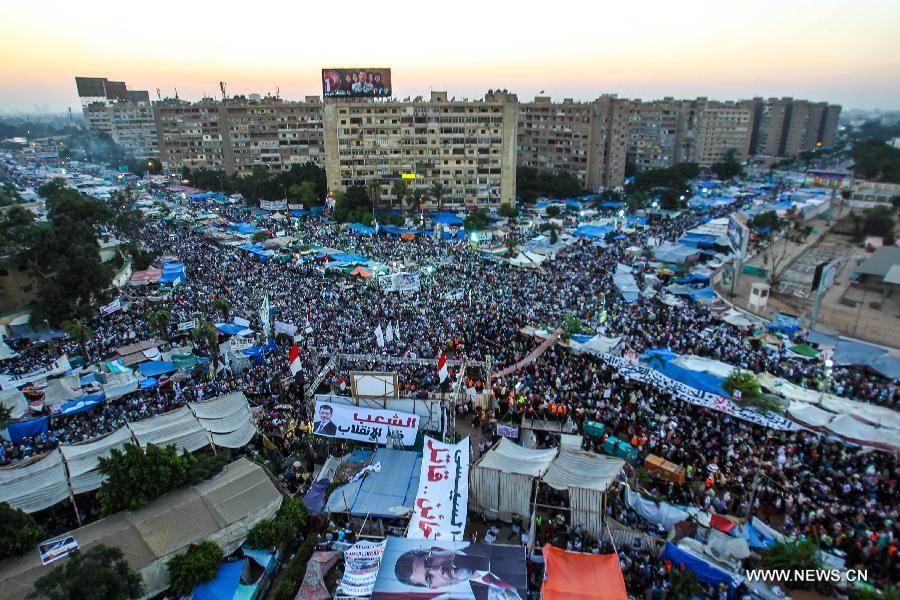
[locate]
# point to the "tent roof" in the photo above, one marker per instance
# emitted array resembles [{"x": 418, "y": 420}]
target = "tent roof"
[
  {"x": 586, "y": 470},
  {"x": 387, "y": 493},
  {"x": 579, "y": 576},
  {"x": 509, "y": 457},
  {"x": 881, "y": 261},
  {"x": 222, "y": 509}
]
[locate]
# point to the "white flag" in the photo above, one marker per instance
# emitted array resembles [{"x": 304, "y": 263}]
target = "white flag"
[
  {"x": 264, "y": 315},
  {"x": 397, "y": 331},
  {"x": 379, "y": 336},
  {"x": 389, "y": 333}
]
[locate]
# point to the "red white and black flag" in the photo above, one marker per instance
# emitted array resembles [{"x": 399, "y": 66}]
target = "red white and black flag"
[
  {"x": 294, "y": 359},
  {"x": 442, "y": 367}
]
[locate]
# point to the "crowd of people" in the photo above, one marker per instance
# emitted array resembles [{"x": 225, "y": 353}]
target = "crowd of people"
[{"x": 474, "y": 307}]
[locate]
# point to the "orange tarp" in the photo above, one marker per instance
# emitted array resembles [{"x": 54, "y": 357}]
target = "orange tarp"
[
  {"x": 577, "y": 576},
  {"x": 407, "y": 236},
  {"x": 361, "y": 272}
]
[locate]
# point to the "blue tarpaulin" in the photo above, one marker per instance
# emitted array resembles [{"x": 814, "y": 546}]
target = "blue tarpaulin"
[
  {"x": 314, "y": 500},
  {"x": 624, "y": 281},
  {"x": 73, "y": 407},
  {"x": 698, "y": 240},
  {"x": 298, "y": 213},
  {"x": 706, "y": 572},
  {"x": 446, "y": 218},
  {"x": 755, "y": 538},
  {"x": 361, "y": 229},
  {"x": 379, "y": 494},
  {"x": 224, "y": 584},
  {"x": 259, "y": 251},
  {"x": 394, "y": 230},
  {"x": 347, "y": 257},
  {"x": 704, "y": 294},
  {"x": 699, "y": 380},
  {"x": 154, "y": 368},
  {"x": 593, "y": 231},
  {"x": 149, "y": 383},
  {"x": 694, "y": 278},
  {"x": 244, "y": 228},
  {"x": 230, "y": 328},
  {"x": 172, "y": 271},
  {"x": 27, "y": 429},
  {"x": 449, "y": 234},
  {"x": 611, "y": 204}
]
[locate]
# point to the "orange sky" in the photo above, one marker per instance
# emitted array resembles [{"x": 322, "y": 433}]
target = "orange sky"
[{"x": 831, "y": 50}]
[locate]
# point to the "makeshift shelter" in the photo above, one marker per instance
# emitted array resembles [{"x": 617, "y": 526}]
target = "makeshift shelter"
[
  {"x": 625, "y": 282},
  {"x": 222, "y": 510},
  {"x": 581, "y": 576},
  {"x": 503, "y": 479},
  {"x": 15, "y": 401},
  {"x": 705, "y": 571},
  {"x": 35, "y": 484},
  {"x": 82, "y": 460},
  {"x": 62, "y": 390},
  {"x": 119, "y": 384},
  {"x": 387, "y": 493}
]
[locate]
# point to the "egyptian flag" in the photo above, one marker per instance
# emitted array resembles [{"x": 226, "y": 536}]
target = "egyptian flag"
[
  {"x": 442, "y": 367},
  {"x": 294, "y": 359}
]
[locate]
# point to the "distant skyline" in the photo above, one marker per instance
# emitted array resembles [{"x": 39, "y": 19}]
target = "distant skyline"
[{"x": 823, "y": 50}]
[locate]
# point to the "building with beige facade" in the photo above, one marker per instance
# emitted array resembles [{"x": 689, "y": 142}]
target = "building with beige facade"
[
  {"x": 125, "y": 115},
  {"x": 583, "y": 139},
  {"x": 468, "y": 147},
  {"x": 240, "y": 134},
  {"x": 786, "y": 127}
]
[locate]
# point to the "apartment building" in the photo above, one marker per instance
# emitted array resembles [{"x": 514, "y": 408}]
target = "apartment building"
[
  {"x": 240, "y": 134},
  {"x": 584, "y": 139},
  {"x": 469, "y": 147},
  {"x": 125, "y": 115},
  {"x": 787, "y": 127},
  {"x": 721, "y": 127}
]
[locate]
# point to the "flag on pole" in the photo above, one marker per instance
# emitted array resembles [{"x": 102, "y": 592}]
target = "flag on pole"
[
  {"x": 389, "y": 333},
  {"x": 442, "y": 367},
  {"x": 308, "y": 314},
  {"x": 397, "y": 331},
  {"x": 379, "y": 336},
  {"x": 294, "y": 359},
  {"x": 264, "y": 315}
]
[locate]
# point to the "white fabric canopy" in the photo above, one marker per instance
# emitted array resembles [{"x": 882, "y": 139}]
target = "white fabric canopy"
[
  {"x": 35, "y": 486},
  {"x": 119, "y": 384},
  {"x": 62, "y": 390},
  {"x": 82, "y": 460},
  {"x": 502, "y": 480},
  {"x": 509, "y": 457},
  {"x": 15, "y": 401},
  {"x": 578, "y": 469},
  {"x": 179, "y": 428},
  {"x": 705, "y": 365}
]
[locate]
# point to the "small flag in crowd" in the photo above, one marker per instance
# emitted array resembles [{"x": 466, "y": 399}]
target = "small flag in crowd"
[
  {"x": 265, "y": 314},
  {"x": 389, "y": 333},
  {"x": 294, "y": 359},
  {"x": 379, "y": 336},
  {"x": 442, "y": 367},
  {"x": 397, "y": 331}
]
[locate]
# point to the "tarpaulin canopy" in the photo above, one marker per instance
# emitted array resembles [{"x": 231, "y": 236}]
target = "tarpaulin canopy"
[
  {"x": 82, "y": 460},
  {"x": 388, "y": 493},
  {"x": 20, "y": 430},
  {"x": 15, "y": 401},
  {"x": 36, "y": 484},
  {"x": 593, "y": 231},
  {"x": 696, "y": 379},
  {"x": 361, "y": 229},
  {"x": 179, "y": 428},
  {"x": 227, "y": 419},
  {"x": 446, "y": 218},
  {"x": 674, "y": 253},
  {"x": 624, "y": 281},
  {"x": 233, "y": 329},
  {"x": 850, "y": 352},
  {"x": 172, "y": 271},
  {"x": 578, "y": 469},
  {"x": 503, "y": 478},
  {"x": 224, "y": 584},
  {"x": 663, "y": 514},
  {"x": 314, "y": 500},
  {"x": 83, "y": 404},
  {"x": 580, "y": 576},
  {"x": 259, "y": 251},
  {"x": 62, "y": 390},
  {"x": 156, "y": 368},
  {"x": 350, "y": 258},
  {"x": 117, "y": 385},
  {"x": 705, "y": 571}
]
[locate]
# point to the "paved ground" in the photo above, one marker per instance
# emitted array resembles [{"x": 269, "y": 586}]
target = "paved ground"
[{"x": 849, "y": 311}]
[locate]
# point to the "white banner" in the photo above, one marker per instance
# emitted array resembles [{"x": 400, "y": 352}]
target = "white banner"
[
  {"x": 273, "y": 204},
  {"x": 60, "y": 365},
  {"x": 187, "y": 325},
  {"x": 265, "y": 315},
  {"x": 241, "y": 321},
  {"x": 285, "y": 328},
  {"x": 694, "y": 396},
  {"x": 400, "y": 282},
  {"x": 442, "y": 502},
  {"x": 508, "y": 431},
  {"x": 364, "y": 424},
  {"x": 361, "y": 564},
  {"x": 111, "y": 307}
]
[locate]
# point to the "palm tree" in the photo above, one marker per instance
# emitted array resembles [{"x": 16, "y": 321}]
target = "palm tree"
[
  {"x": 79, "y": 332},
  {"x": 374, "y": 189},
  {"x": 438, "y": 191},
  {"x": 159, "y": 322},
  {"x": 206, "y": 332},
  {"x": 399, "y": 189},
  {"x": 222, "y": 305}
]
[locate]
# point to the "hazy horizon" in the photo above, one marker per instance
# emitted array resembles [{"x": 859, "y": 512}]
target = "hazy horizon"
[{"x": 819, "y": 51}]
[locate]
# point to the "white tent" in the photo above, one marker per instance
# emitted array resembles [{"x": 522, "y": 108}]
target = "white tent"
[
  {"x": 503, "y": 479},
  {"x": 586, "y": 476},
  {"x": 227, "y": 419},
  {"x": 62, "y": 390},
  {"x": 119, "y": 384},
  {"x": 179, "y": 428},
  {"x": 82, "y": 460},
  {"x": 35, "y": 485},
  {"x": 15, "y": 401}
]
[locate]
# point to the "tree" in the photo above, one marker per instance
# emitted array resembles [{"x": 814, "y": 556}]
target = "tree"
[
  {"x": 791, "y": 555},
  {"x": 744, "y": 381},
  {"x": 512, "y": 245},
  {"x": 356, "y": 198},
  {"x": 475, "y": 221},
  {"x": 198, "y": 565},
  {"x": 375, "y": 193},
  {"x": 14, "y": 224},
  {"x": 19, "y": 532},
  {"x": 287, "y": 524},
  {"x": 879, "y": 221},
  {"x": 159, "y": 323},
  {"x": 80, "y": 333},
  {"x": 9, "y": 194},
  {"x": 303, "y": 193},
  {"x": 222, "y": 305},
  {"x": 100, "y": 573},
  {"x": 684, "y": 584},
  {"x": 437, "y": 192},
  {"x": 206, "y": 332},
  {"x": 259, "y": 236},
  {"x": 776, "y": 254},
  {"x": 135, "y": 476},
  {"x": 876, "y": 160},
  {"x": 399, "y": 189},
  {"x": 553, "y": 211},
  {"x": 768, "y": 219},
  {"x": 730, "y": 166},
  {"x": 508, "y": 210},
  {"x": 572, "y": 325}
]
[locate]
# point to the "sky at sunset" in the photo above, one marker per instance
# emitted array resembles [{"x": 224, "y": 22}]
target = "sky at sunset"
[{"x": 835, "y": 50}]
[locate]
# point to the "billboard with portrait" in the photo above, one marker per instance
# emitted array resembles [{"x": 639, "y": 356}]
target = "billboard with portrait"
[
  {"x": 419, "y": 568},
  {"x": 361, "y": 82}
]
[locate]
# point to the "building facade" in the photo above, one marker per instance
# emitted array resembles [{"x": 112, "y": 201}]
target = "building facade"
[
  {"x": 469, "y": 148},
  {"x": 125, "y": 115},
  {"x": 786, "y": 127},
  {"x": 583, "y": 139},
  {"x": 240, "y": 134}
]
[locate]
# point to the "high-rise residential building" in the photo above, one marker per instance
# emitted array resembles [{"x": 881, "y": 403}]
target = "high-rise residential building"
[
  {"x": 126, "y": 115},
  {"x": 468, "y": 147},
  {"x": 240, "y": 134},
  {"x": 584, "y": 139},
  {"x": 787, "y": 127},
  {"x": 721, "y": 127}
]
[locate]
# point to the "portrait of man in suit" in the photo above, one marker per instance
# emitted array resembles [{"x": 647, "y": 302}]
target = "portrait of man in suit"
[
  {"x": 489, "y": 572},
  {"x": 324, "y": 426}
]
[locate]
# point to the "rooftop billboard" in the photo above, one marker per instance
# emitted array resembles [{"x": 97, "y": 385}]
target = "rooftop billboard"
[{"x": 362, "y": 82}]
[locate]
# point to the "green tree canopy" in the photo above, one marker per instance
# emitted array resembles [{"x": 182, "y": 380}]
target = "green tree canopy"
[
  {"x": 19, "y": 532},
  {"x": 198, "y": 565},
  {"x": 876, "y": 160},
  {"x": 356, "y": 198},
  {"x": 475, "y": 221},
  {"x": 728, "y": 167},
  {"x": 79, "y": 332},
  {"x": 135, "y": 476},
  {"x": 100, "y": 573}
]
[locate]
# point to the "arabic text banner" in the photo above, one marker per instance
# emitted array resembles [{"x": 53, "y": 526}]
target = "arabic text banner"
[
  {"x": 361, "y": 563},
  {"x": 442, "y": 501},
  {"x": 364, "y": 424}
]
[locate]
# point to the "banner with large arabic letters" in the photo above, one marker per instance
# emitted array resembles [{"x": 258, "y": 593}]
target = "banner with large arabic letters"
[
  {"x": 361, "y": 564},
  {"x": 442, "y": 502},
  {"x": 362, "y": 424}
]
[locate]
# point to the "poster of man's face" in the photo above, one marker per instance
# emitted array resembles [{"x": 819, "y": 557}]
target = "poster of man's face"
[{"x": 428, "y": 569}]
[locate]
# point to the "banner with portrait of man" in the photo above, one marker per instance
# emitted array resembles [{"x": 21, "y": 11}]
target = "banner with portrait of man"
[{"x": 363, "y": 424}]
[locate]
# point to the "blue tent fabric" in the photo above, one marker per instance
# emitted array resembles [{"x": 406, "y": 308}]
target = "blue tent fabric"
[
  {"x": 661, "y": 353},
  {"x": 27, "y": 429},
  {"x": 171, "y": 271},
  {"x": 361, "y": 229},
  {"x": 850, "y": 352},
  {"x": 703, "y": 294},
  {"x": 394, "y": 230},
  {"x": 244, "y": 228},
  {"x": 148, "y": 383},
  {"x": 694, "y": 278},
  {"x": 447, "y": 218},
  {"x": 699, "y": 380},
  {"x": 459, "y": 234},
  {"x": 314, "y": 500},
  {"x": 592, "y": 231},
  {"x": 611, "y": 204},
  {"x": 706, "y": 572},
  {"x": 83, "y": 404},
  {"x": 259, "y": 251},
  {"x": 698, "y": 240},
  {"x": 624, "y": 281},
  {"x": 755, "y": 538},
  {"x": 230, "y": 328},
  {"x": 298, "y": 213},
  {"x": 349, "y": 258},
  {"x": 224, "y": 584},
  {"x": 155, "y": 368},
  {"x": 379, "y": 494},
  {"x": 264, "y": 558}
]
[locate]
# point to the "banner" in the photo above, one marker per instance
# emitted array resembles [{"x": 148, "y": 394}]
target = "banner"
[
  {"x": 265, "y": 314},
  {"x": 508, "y": 431},
  {"x": 442, "y": 501},
  {"x": 285, "y": 328},
  {"x": 241, "y": 321},
  {"x": 58, "y": 366},
  {"x": 400, "y": 282},
  {"x": 187, "y": 325},
  {"x": 56, "y": 549},
  {"x": 111, "y": 307},
  {"x": 364, "y": 424},
  {"x": 273, "y": 204},
  {"x": 532, "y": 356},
  {"x": 445, "y": 569},
  {"x": 694, "y": 396},
  {"x": 361, "y": 564}
]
